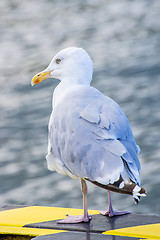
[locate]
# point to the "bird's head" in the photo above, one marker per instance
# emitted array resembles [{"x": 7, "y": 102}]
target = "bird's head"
[{"x": 71, "y": 64}]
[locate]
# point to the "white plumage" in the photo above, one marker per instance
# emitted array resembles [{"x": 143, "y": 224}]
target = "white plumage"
[{"x": 89, "y": 135}]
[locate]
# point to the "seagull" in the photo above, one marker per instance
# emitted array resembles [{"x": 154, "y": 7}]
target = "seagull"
[{"x": 89, "y": 137}]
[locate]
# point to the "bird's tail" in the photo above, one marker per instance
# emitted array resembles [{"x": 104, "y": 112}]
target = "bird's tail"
[{"x": 120, "y": 186}]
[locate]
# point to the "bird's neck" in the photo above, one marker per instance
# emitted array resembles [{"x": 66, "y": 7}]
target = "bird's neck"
[{"x": 63, "y": 89}]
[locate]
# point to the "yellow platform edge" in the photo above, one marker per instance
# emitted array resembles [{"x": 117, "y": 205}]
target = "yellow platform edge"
[
  {"x": 33, "y": 232},
  {"x": 151, "y": 231},
  {"x": 22, "y": 216},
  {"x": 13, "y": 221}
]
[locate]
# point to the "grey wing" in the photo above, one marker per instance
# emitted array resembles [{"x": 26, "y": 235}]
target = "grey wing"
[{"x": 94, "y": 139}]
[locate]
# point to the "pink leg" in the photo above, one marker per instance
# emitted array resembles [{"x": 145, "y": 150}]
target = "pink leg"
[
  {"x": 111, "y": 212},
  {"x": 85, "y": 217}
]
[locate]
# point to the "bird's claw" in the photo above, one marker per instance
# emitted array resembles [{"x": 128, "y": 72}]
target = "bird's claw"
[{"x": 114, "y": 213}]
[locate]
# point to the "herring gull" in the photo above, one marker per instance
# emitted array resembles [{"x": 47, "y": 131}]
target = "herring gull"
[{"x": 90, "y": 137}]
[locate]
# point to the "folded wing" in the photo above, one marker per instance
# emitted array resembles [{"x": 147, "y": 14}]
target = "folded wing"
[{"x": 92, "y": 137}]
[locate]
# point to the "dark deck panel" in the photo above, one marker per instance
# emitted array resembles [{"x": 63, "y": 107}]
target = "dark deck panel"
[
  {"x": 82, "y": 236},
  {"x": 101, "y": 223}
]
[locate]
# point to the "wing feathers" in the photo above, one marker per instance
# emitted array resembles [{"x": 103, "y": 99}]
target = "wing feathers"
[
  {"x": 89, "y": 115},
  {"x": 95, "y": 135},
  {"x": 129, "y": 188},
  {"x": 114, "y": 146}
]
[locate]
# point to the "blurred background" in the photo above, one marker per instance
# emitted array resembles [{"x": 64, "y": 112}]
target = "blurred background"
[{"x": 123, "y": 40}]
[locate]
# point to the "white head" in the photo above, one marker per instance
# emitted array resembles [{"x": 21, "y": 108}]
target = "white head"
[{"x": 72, "y": 65}]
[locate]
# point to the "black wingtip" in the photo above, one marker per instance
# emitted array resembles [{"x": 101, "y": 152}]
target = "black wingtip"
[{"x": 137, "y": 199}]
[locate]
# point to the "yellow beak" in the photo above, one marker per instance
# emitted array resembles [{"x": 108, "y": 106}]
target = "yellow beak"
[{"x": 39, "y": 77}]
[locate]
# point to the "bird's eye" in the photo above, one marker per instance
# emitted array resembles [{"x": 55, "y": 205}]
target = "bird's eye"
[{"x": 58, "y": 60}]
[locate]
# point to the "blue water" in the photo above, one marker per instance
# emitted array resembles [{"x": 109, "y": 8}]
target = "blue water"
[{"x": 123, "y": 40}]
